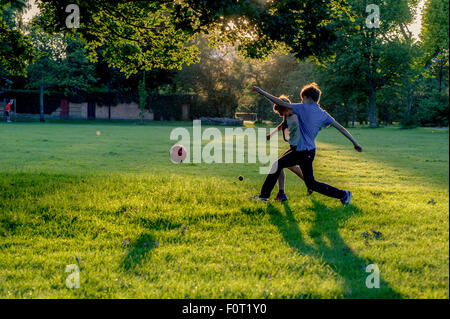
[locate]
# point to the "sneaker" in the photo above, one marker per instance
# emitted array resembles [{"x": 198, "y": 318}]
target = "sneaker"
[
  {"x": 257, "y": 198},
  {"x": 347, "y": 198},
  {"x": 281, "y": 197},
  {"x": 309, "y": 192}
]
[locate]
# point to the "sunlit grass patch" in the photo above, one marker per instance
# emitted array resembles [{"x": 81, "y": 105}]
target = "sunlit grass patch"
[{"x": 139, "y": 226}]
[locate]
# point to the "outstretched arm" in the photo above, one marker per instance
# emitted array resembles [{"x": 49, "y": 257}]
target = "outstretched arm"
[
  {"x": 347, "y": 134},
  {"x": 272, "y": 98},
  {"x": 276, "y": 130}
]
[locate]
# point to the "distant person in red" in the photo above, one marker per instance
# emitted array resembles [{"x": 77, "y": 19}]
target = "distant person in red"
[{"x": 8, "y": 111}]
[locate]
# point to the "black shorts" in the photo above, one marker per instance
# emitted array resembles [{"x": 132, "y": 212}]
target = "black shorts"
[
  {"x": 7, "y": 113},
  {"x": 291, "y": 148}
]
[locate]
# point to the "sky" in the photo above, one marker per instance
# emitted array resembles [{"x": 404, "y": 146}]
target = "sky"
[{"x": 415, "y": 27}]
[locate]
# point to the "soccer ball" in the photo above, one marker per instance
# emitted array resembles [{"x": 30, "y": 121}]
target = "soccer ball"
[{"x": 177, "y": 154}]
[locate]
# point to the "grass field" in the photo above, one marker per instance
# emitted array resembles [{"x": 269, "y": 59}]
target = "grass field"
[{"x": 139, "y": 226}]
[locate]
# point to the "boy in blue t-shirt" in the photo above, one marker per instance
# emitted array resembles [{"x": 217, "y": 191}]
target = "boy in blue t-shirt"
[{"x": 311, "y": 118}]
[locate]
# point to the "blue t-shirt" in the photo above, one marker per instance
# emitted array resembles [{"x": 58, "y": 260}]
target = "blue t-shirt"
[{"x": 311, "y": 119}]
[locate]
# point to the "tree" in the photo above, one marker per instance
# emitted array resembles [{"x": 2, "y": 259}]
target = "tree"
[
  {"x": 15, "y": 48},
  {"x": 218, "y": 80},
  {"x": 435, "y": 40},
  {"x": 133, "y": 35},
  {"x": 435, "y": 35},
  {"x": 143, "y": 96},
  {"x": 435, "y": 29},
  {"x": 367, "y": 59},
  {"x": 60, "y": 63}
]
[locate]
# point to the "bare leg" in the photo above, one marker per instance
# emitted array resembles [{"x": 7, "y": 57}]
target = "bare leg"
[
  {"x": 297, "y": 171},
  {"x": 281, "y": 181}
]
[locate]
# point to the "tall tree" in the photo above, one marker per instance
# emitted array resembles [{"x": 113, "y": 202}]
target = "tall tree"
[
  {"x": 15, "y": 48},
  {"x": 60, "y": 63},
  {"x": 435, "y": 39},
  {"x": 217, "y": 80},
  {"x": 143, "y": 96},
  {"x": 435, "y": 27},
  {"x": 435, "y": 34},
  {"x": 366, "y": 55}
]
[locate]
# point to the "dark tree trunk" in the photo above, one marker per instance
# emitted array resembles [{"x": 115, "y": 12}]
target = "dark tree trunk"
[
  {"x": 353, "y": 114},
  {"x": 41, "y": 104},
  {"x": 409, "y": 103},
  {"x": 373, "y": 113},
  {"x": 109, "y": 104}
]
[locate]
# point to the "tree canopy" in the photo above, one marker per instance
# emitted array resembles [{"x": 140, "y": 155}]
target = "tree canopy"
[
  {"x": 435, "y": 27},
  {"x": 61, "y": 63},
  {"x": 15, "y": 48},
  {"x": 142, "y": 35},
  {"x": 130, "y": 35}
]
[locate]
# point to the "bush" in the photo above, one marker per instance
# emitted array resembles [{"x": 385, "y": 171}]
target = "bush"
[
  {"x": 409, "y": 122},
  {"x": 433, "y": 110}
]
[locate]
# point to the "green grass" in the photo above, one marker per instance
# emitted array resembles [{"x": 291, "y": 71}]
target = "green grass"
[{"x": 142, "y": 227}]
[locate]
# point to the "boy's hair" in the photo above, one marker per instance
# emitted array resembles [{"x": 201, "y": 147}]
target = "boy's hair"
[
  {"x": 278, "y": 108},
  {"x": 312, "y": 91}
]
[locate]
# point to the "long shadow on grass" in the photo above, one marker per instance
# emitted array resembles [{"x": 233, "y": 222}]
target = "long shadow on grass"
[
  {"x": 138, "y": 251},
  {"x": 330, "y": 248}
]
